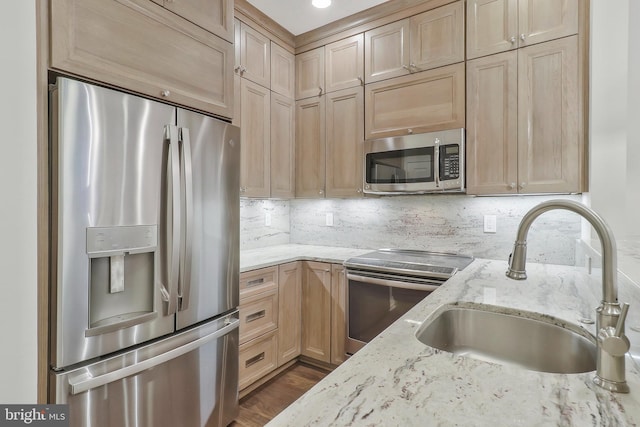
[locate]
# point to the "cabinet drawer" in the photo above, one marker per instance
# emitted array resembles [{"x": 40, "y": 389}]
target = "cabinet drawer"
[
  {"x": 258, "y": 281},
  {"x": 257, "y": 359},
  {"x": 258, "y": 314}
]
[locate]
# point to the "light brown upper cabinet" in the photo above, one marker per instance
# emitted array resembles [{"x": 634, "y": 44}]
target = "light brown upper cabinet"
[
  {"x": 425, "y": 41},
  {"x": 310, "y": 147},
  {"x": 283, "y": 71},
  {"x": 422, "y": 102},
  {"x": 145, "y": 48},
  {"x": 310, "y": 73},
  {"x": 344, "y": 142},
  {"x": 283, "y": 159},
  {"x": 522, "y": 121},
  {"x": 253, "y": 55},
  {"x": 499, "y": 25},
  {"x": 344, "y": 63},
  {"x": 255, "y": 134},
  {"x": 215, "y": 16}
]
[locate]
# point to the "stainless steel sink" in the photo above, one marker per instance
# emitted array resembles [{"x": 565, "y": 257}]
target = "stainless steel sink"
[{"x": 526, "y": 340}]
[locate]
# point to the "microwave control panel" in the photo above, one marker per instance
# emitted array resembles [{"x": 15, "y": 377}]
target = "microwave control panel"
[{"x": 450, "y": 161}]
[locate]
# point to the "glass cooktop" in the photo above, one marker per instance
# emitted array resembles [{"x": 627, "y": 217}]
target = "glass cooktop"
[{"x": 411, "y": 262}]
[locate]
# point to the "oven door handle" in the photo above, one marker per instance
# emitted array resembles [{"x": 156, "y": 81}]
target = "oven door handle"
[{"x": 392, "y": 283}]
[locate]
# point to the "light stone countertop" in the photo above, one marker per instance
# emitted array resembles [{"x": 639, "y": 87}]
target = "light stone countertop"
[
  {"x": 397, "y": 381},
  {"x": 253, "y": 259}
]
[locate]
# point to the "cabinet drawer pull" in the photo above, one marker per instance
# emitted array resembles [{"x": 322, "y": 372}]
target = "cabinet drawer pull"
[
  {"x": 255, "y": 282},
  {"x": 255, "y": 316},
  {"x": 254, "y": 360}
]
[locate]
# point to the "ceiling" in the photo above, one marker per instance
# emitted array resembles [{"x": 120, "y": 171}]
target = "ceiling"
[{"x": 298, "y": 16}]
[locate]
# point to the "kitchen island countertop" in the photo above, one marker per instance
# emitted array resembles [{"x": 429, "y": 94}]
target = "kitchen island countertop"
[{"x": 397, "y": 381}]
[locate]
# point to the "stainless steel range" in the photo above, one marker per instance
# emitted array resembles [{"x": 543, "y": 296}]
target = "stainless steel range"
[{"x": 384, "y": 284}]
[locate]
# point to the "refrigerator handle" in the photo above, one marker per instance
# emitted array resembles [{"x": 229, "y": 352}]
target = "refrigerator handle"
[
  {"x": 173, "y": 219},
  {"x": 86, "y": 381},
  {"x": 184, "y": 288}
]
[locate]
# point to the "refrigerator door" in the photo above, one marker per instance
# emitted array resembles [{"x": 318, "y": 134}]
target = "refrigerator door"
[
  {"x": 209, "y": 268},
  {"x": 109, "y": 168},
  {"x": 189, "y": 379}
]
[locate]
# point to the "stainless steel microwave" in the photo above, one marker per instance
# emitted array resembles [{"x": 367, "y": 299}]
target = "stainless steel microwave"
[{"x": 414, "y": 164}]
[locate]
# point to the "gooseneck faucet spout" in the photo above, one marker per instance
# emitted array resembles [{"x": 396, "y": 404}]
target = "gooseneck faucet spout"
[{"x": 611, "y": 341}]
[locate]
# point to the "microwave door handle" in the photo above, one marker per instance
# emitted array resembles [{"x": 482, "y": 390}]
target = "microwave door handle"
[
  {"x": 436, "y": 162},
  {"x": 172, "y": 219},
  {"x": 391, "y": 283},
  {"x": 184, "y": 288}
]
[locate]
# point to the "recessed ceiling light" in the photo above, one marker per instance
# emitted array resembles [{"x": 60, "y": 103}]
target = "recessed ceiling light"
[{"x": 321, "y": 4}]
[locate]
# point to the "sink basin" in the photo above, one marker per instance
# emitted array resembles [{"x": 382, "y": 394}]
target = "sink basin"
[{"x": 527, "y": 340}]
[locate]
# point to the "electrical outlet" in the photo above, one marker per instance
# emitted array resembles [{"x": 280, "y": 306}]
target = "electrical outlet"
[
  {"x": 267, "y": 219},
  {"x": 490, "y": 225},
  {"x": 329, "y": 219}
]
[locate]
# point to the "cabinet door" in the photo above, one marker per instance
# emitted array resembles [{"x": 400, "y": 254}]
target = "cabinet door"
[
  {"x": 316, "y": 310},
  {"x": 543, "y": 20},
  {"x": 142, "y": 47},
  {"x": 310, "y": 73},
  {"x": 215, "y": 16},
  {"x": 437, "y": 37},
  {"x": 283, "y": 154},
  {"x": 290, "y": 317},
  {"x": 492, "y": 124},
  {"x": 492, "y": 27},
  {"x": 422, "y": 102},
  {"x": 386, "y": 51},
  {"x": 310, "y": 147},
  {"x": 338, "y": 323},
  {"x": 549, "y": 150},
  {"x": 255, "y": 56},
  {"x": 283, "y": 71},
  {"x": 255, "y": 136},
  {"x": 344, "y": 63},
  {"x": 344, "y": 142}
]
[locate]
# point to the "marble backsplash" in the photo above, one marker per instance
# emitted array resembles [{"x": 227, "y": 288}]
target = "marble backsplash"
[{"x": 433, "y": 222}]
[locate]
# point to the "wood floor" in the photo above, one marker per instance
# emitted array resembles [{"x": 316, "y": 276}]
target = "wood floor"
[{"x": 267, "y": 401}]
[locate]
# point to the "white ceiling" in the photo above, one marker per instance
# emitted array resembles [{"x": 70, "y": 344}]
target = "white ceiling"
[{"x": 298, "y": 16}]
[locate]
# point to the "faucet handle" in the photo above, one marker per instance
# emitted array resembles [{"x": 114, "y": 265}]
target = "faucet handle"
[{"x": 613, "y": 340}]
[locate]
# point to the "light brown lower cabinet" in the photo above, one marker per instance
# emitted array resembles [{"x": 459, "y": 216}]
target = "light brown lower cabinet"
[
  {"x": 290, "y": 311},
  {"x": 323, "y": 305}
]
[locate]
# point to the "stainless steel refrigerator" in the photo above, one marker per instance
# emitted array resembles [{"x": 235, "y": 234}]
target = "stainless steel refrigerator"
[{"x": 145, "y": 260}]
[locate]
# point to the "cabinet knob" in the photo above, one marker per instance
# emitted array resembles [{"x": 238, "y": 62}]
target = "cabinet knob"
[
  {"x": 237, "y": 69},
  {"x": 361, "y": 81},
  {"x": 410, "y": 131},
  {"x": 321, "y": 192},
  {"x": 320, "y": 89},
  {"x": 359, "y": 190},
  {"x": 511, "y": 186},
  {"x": 165, "y": 93},
  {"x": 242, "y": 189},
  {"x": 406, "y": 67},
  {"x": 413, "y": 67},
  {"x": 513, "y": 39},
  {"x": 522, "y": 37},
  {"x": 522, "y": 185}
]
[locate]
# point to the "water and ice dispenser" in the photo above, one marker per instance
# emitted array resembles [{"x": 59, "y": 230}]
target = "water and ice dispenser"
[{"x": 121, "y": 277}]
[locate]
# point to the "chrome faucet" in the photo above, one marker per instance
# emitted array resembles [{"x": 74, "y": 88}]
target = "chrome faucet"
[{"x": 611, "y": 341}]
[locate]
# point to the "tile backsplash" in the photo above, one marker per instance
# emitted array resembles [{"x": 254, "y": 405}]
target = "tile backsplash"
[{"x": 433, "y": 222}]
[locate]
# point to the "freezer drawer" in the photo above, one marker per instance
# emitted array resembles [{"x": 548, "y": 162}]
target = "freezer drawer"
[{"x": 189, "y": 379}]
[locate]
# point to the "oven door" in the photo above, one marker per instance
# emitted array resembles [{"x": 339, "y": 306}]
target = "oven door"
[{"x": 376, "y": 300}]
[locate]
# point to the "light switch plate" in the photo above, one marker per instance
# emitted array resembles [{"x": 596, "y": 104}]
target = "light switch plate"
[{"x": 490, "y": 225}]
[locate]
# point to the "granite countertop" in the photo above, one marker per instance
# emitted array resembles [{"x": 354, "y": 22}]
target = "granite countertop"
[
  {"x": 396, "y": 380},
  {"x": 273, "y": 255}
]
